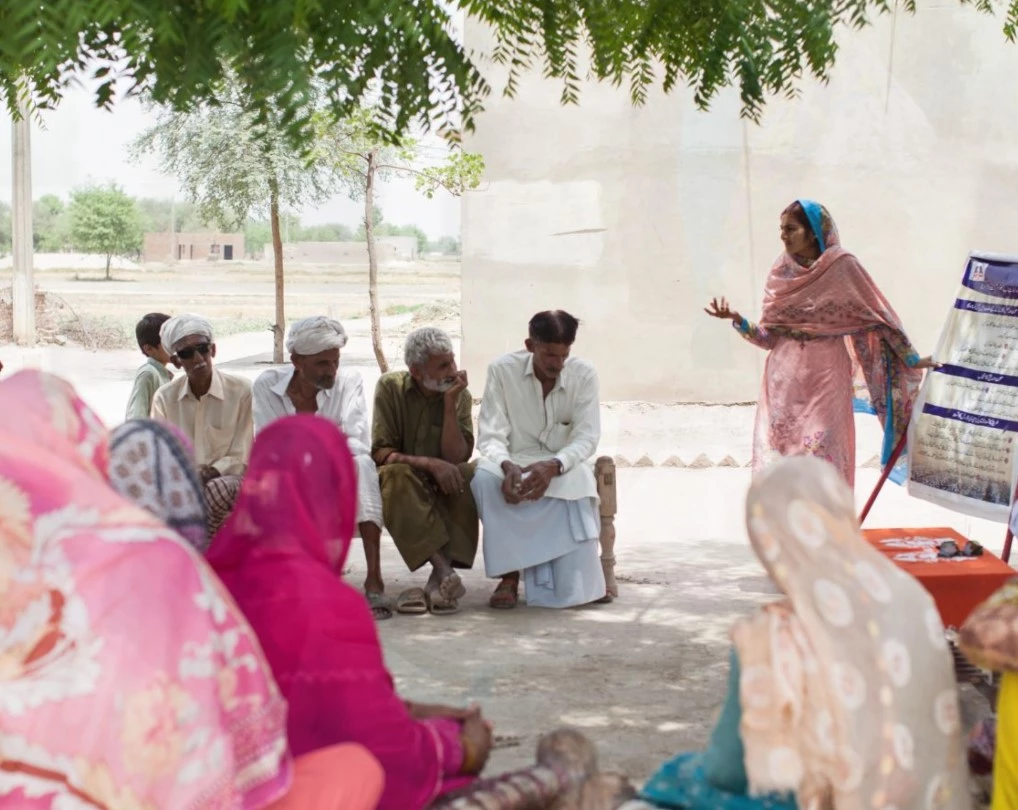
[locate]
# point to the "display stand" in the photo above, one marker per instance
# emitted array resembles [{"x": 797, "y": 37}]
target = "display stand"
[{"x": 898, "y": 450}]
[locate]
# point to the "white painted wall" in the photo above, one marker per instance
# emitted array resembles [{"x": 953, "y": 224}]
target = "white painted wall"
[{"x": 633, "y": 218}]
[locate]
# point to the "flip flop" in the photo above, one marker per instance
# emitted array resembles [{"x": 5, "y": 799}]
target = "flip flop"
[
  {"x": 439, "y": 605},
  {"x": 412, "y": 601},
  {"x": 505, "y": 597},
  {"x": 452, "y": 588},
  {"x": 380, "y": 604}
]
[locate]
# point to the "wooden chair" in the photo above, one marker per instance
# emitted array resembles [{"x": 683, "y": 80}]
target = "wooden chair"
[{"x": 604, "y": 472}]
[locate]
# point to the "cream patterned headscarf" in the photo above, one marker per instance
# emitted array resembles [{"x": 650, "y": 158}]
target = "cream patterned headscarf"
[
  {"x": 153, "y": 466},
  {"x": 848, "y": 691}
]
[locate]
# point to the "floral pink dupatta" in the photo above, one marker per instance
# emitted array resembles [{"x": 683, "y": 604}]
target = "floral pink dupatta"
[
  {"x": 834, "y": 297},
  {"x": 847, "y": 685},
  {"x": 128, "y": 678},
  {"x": 281, "y": 554}
]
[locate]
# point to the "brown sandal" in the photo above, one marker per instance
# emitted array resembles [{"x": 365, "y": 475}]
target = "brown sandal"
[
  {"x": 506, "y": 595},
  {"x": 412, "y": 601}
]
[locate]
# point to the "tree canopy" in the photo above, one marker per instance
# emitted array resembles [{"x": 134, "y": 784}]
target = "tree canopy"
[
  {"x": 104, "y": 220},
  {"x": 405, "y": 59},
  {"x": 5, "y": 228},
  {"x": 51, "y": 224},
  {"x": 231, "y": 166}
]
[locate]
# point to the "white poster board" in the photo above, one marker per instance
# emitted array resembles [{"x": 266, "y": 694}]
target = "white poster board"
[{"x": 962, "y": 436}]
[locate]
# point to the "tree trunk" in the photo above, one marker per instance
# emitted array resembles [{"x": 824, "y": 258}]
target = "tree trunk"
[
  {"x": 109, "y": 261},
  {"x": 369, "y": 235},
  {"x": 279, "y": 328}
]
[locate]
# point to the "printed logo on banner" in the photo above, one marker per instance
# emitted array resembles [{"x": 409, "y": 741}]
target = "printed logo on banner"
[{"x": 979, "y": 271}]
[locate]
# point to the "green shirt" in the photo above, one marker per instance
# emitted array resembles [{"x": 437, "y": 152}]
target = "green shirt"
[
  {"x": 409, "y": 423},
  {"x": 150, "y": 378}
]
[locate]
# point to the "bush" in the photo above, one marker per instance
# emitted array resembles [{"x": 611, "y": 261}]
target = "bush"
[{"x": 97, "y": 332}]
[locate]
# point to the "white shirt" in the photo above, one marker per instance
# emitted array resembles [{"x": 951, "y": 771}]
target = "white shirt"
[
  {"x": 219, "y": 424},
  {"x": 343, "y": 404},
  {"x": 518, "y": 423}
]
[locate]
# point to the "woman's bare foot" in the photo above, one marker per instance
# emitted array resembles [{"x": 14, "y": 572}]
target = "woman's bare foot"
[
  {"x": 605, "y": 791},
  {"x": 569, "y": 751}
]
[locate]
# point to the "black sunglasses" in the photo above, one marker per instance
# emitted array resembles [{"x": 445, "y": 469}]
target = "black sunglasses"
[
  {"x": 949, "y": 549},
  {"x": 188, "y": 353}
]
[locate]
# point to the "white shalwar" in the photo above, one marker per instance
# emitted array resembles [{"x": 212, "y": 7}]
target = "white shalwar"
[
  {"x": 343, "y": 405},
  {"x": 554, "y": 541}
]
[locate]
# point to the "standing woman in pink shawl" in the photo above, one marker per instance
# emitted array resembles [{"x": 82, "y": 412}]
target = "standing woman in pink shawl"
[
  {"x": 281, "y": 555},
  {"x": 128, "y": 678},
  {"x": 832, "y": 338}
]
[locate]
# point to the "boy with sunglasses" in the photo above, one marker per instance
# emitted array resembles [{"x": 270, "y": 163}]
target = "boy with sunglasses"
[{"x": 211, "y": 407}]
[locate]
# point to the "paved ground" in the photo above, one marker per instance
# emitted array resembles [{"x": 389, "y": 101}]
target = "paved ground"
[{"x": 643, "y": 676}]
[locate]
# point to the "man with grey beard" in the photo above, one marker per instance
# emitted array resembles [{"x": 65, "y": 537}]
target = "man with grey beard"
[
  {"x": 422, "y": 438},
  {"x": 317, "y": 383}
]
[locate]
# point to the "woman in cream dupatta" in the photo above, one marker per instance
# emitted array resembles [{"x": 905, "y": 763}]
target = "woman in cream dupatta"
[{"x": 847, "y": 691}]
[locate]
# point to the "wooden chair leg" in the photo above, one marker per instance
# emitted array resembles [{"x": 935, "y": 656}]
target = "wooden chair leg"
[{"x": 604, "y": 470}]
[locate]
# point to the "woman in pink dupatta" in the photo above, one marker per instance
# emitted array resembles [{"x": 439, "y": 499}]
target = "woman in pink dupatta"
[
  {"x": 281, "y": 554},
  {"x": 128, "y": 679},
  {"x": 835, "y": 345}
]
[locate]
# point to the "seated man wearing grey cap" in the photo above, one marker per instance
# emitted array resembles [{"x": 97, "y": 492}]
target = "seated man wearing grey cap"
[
  {"x": 314, "y": 383},
  {"x": 212, "y": 408}
]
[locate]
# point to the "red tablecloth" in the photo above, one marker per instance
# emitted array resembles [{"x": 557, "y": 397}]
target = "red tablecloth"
[{"x": 957, "y": 587}]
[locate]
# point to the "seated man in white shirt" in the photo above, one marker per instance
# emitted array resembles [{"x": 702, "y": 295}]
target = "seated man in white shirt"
[
  {"x": 536, "y": 494},
  {"x": 316, "y": 384},
  {"x": 213, "y": 410}
]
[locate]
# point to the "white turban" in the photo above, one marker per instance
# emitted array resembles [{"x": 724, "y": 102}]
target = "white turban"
[
  {"x": 316, "y": 334},
  {"x": 182, "y": 326}
]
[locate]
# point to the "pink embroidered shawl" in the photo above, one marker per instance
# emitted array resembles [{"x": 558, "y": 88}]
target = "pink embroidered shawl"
[
  {"x": 847, "y": 685},
  {"x": 834, "y": 297},
  {"x": 281, "y": 555},
  {"x": 128, "y": 678}
]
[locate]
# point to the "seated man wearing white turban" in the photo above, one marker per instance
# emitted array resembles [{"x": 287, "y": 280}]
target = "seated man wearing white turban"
[
  {"x": 316, "y": 384},
  {"x": 212, "y": 408}
]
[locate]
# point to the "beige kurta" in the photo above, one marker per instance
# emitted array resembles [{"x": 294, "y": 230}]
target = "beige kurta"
[
  {"x": 518, "y": 423},
  {"x": 220, "y": 425}
]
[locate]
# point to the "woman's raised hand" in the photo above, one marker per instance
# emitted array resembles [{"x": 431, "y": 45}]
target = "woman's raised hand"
[
  {"x": 719, "y": 309},
  {"x": 928, "y": 362}
]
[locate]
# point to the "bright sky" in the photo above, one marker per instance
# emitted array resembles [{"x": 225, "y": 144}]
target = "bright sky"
[{"x": 80, "y": 143}]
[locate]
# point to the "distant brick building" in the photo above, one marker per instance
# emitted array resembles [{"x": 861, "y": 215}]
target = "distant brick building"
[{"x": 162, "y": 247}]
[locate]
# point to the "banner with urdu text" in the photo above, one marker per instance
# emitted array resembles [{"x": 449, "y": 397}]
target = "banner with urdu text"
[{"x": 962, "y": 452}]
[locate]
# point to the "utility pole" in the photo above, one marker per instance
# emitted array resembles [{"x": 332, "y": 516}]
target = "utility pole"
[{"x": 21, "y": 221}]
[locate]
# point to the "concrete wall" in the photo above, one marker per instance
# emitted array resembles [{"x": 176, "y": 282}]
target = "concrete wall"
[
  {"x": 387, "y": 248},
  {"x": 633, "y": 218}
]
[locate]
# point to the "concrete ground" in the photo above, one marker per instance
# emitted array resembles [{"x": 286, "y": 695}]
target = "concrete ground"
[{"x": 643, "y": 676}]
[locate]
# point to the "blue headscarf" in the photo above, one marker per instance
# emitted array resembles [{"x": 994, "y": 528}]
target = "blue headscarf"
[{"x": 814, "y": 214}]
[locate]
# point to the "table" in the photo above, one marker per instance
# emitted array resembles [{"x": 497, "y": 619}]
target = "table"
[{"x": 957, "y": 586}]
